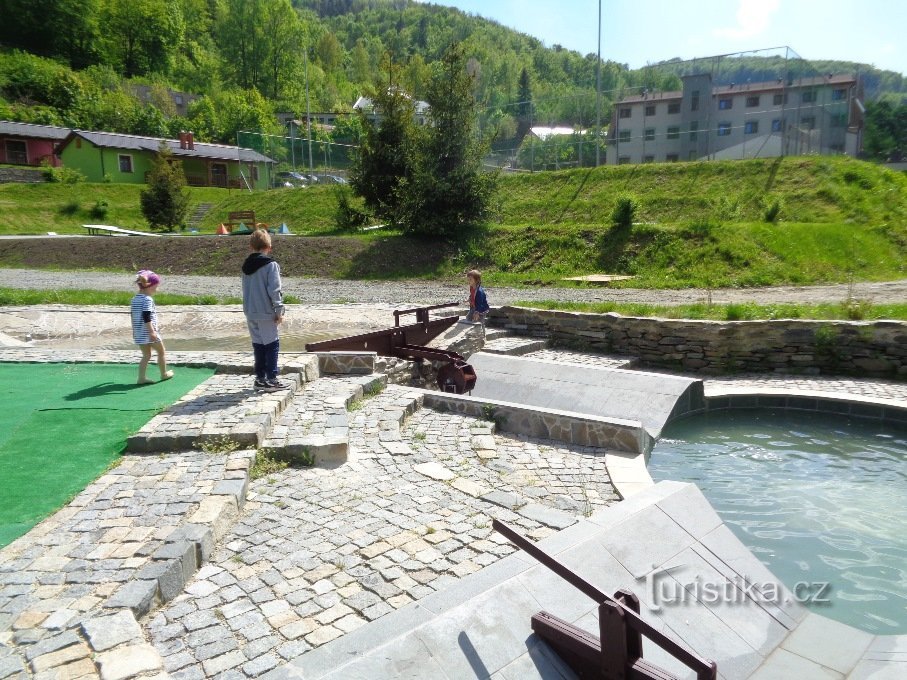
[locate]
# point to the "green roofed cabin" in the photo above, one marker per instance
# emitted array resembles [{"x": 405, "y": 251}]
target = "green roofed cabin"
[{"x": 110, "y": 156}]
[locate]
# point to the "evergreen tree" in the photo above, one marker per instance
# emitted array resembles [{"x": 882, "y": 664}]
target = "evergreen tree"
[
  {"x": 446, "y": 189},
  {"x": 383, "y": 159},
  {"x": 524, "y": 107},
  {"x": 165, "y": 202}
]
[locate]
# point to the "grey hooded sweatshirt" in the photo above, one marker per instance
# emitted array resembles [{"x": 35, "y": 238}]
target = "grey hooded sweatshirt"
[{"x": 261, "y": 296}]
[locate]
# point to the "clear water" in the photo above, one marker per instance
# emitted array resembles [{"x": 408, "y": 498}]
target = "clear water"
[{"x": 818, "y": 498}]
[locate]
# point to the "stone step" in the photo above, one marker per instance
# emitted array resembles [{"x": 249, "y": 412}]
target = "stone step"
[
  {"x": 222, "y": 412},
  {"x": 513, "y": 345},
  {"x": 314, "y": 428},
  {"x": 199, "y": 213}
]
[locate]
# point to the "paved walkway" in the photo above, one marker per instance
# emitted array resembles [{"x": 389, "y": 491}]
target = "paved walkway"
[{"x": 181, "y": 563}]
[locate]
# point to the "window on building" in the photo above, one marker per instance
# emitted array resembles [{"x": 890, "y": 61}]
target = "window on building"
[
  {"x": 692, "y": 156},
  {"x": 125, "y": 162},
  {"x": 808, "y": 96},
  {"x": 672, "y": 158},
  {"x": 752, "y": 101},
  {"x": 778, "y": 99},
  {"x": 650, "y": 134},
  {"x": 725, "y": 104},
  {"x": 776, "y": 125},
  {"x": 673, "y": 107},
  {"x": 648, "y": 159},
  {"x": 16, "y": 152},
  {"x": 751, "y": 127},
  {"x": 650, "y": 109},
  {"x": 694, "y": 101},
  {"x": 724, "y": 129},
  {"x": 839, "y": 120},
  {"x": 808, "y": 122},
  {"x": 624, "y": 136},
  {"x": 673, "y": 132},
  {"x": 694, "y": 130},
  {"x": 838, "y": 95},
  {"x": 625, "y": 111},
  {"x": 623, "y": 160}
]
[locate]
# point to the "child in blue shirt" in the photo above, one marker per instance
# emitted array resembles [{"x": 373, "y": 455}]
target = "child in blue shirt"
[{"x": 478, "y": 301}]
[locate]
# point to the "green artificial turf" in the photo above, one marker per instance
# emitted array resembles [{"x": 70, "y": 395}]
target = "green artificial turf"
[{"x": 62, "y": 425}]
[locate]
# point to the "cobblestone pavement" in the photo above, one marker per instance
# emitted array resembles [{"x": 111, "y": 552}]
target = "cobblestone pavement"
[
  {"x": 313, "y": 553},
  {"x": 318, "y": 553}
]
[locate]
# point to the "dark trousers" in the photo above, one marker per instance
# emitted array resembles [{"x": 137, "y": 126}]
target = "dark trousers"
[{"x": 266, "y": 360}]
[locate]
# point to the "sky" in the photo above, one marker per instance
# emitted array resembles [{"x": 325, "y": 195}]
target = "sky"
[{"x": 636, "y": 32}]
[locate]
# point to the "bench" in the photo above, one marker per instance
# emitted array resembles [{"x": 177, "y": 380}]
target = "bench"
[
  {"x": 106, "y": 230},
  {"x": 246, "y": 217}
]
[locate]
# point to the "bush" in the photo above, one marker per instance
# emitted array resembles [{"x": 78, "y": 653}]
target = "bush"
[
  {"x": 773, "y": 212},
  {"x": 99, "y": 211},
  {"x": 346, "y": 216},
  {"x": 63, "y": 175},
  {"x": 624, "y": 211}
]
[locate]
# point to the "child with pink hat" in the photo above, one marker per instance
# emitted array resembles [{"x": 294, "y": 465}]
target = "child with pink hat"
[{"x": 145, "y": 332}]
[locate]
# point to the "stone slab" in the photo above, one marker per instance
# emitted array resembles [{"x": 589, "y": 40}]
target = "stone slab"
[{"x": 597, "y": 391}]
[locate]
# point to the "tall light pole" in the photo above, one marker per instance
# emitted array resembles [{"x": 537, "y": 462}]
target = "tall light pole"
[{"x": 598, "y": 90}]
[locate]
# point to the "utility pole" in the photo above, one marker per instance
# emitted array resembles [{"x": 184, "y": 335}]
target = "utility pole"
[
  {"x": 308, "y": 117},
  {"x": 598, "y": 91}
]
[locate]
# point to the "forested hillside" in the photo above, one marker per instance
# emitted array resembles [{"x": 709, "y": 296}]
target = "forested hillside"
[{"x": 81, "y": 63}]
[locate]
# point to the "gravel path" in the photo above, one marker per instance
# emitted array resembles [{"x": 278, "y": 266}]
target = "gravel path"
[{"x": 327, "y": 291}]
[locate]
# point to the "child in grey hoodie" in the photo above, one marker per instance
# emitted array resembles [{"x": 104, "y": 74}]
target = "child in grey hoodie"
[{"x": 262, "y": 303}]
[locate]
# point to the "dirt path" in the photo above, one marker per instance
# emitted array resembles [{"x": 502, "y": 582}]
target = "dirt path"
[{"x": 330, "y": 291}]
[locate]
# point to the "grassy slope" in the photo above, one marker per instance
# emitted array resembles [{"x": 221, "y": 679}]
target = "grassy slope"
[{"x": 698, "y": 223}]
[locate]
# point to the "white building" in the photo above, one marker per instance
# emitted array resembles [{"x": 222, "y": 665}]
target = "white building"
[{"x": 819, "y": 114}]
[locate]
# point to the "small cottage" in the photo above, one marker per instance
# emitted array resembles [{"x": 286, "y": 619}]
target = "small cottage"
[
  {"x": 114, "y": 157},
  {"x": 28, "y": 144}
]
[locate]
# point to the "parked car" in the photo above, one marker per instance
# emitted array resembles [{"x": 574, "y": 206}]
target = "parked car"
[
  {"x": 291, "y": 179},
  {"x": 333, "y": 179}
]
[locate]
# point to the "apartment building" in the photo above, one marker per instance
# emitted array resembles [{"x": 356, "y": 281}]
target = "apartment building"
[{"x": 816, "y": 114}]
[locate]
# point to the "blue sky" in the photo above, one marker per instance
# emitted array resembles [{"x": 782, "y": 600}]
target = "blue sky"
[{"x": 636, "y": 32}]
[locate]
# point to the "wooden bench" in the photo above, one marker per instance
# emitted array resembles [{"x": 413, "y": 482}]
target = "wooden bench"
[
  {"x": 246, "y": 217},
  {"x": 106, "y": 230}
]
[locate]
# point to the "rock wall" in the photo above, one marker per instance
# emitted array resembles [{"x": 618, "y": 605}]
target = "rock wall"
[
  {"x": 864, "y": 348},
  {"x": 30, "y": 175}
]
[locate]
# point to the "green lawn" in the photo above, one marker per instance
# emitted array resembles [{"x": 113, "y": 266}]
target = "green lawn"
[{"x": 62, "y": 425}]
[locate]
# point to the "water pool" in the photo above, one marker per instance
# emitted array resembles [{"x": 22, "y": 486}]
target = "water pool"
[{"x": 816, "y": 497}]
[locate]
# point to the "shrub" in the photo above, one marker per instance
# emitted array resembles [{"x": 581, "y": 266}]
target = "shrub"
[
  {"x": 165, "y": 201},
  {"x": 773, "y": 211},
  {"x": 63, "y": 175},
  {"x": 624, "y": 211},
  {"x": 346, "y": 216},
  {"x": 99, "y": 211}
]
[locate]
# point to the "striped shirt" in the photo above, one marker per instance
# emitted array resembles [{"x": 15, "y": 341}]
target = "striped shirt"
[{"x": 143, "y": 303}]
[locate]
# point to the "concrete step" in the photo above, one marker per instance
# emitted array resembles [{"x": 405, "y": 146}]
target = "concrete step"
[{"x": 513, "y": 345}]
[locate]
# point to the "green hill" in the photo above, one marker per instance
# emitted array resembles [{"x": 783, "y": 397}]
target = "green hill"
[{"x": 697, "y": 224}]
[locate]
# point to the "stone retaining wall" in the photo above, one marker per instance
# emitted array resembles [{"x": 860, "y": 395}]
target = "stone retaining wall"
[
  {"x": 865, "y": 348},
  {"x": 30, "y": 175}
]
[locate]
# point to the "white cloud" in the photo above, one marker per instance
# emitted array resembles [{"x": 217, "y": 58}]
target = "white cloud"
[{"x": 753, "y": 18}]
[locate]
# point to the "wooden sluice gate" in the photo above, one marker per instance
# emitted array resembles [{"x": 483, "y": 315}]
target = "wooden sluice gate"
[
  {"x": 616, "y": 653},
  {"x": 409, "y": 342}
]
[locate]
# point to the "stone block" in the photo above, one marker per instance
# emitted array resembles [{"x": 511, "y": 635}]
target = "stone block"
[
  {"x": 138, "y": 596},
  {"x": 129, "y": 662},
  {"x": 106, "y": 632}
]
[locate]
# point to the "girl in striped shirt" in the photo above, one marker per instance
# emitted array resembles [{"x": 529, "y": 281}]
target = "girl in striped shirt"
[{"x": 144, "y": 325}]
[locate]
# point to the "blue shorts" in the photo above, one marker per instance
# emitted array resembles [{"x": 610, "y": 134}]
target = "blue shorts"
[{"x": 263, "y": 331}]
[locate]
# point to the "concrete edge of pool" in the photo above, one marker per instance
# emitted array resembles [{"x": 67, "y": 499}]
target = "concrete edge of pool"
[{"x": 655, "y": 528}]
